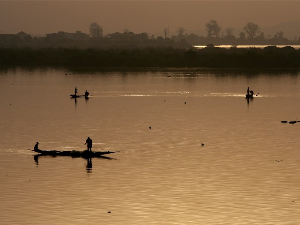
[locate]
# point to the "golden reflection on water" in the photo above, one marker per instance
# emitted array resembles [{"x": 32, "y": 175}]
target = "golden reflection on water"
[{"x": 209, "y": 158}]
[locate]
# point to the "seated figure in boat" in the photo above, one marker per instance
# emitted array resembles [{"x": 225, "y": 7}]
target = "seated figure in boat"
[
  {"x": 249, "y": 93},
  {"x": 86, "y": 94}
]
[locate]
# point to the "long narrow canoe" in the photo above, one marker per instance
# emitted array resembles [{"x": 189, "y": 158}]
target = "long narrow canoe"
[
  {"x": 79, "y": 96},
  {"x": 73, "y": 153}
]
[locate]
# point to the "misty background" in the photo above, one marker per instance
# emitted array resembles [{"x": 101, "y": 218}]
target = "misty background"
[{"x": 41, "y": 17}]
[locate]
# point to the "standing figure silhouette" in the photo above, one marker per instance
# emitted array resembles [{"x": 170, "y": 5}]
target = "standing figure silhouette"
[{"x": 89, "y": 144}]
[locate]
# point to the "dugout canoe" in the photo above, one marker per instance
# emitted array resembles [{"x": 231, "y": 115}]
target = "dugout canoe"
[{"x": 73, "y": 153}]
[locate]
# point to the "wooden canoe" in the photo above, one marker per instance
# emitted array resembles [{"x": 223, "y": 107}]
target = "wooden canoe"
[{"x": 73, "y": 153}]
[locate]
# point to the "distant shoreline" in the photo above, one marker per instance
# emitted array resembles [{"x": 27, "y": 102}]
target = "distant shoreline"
[
  {"x": 248, "y": 46},
  {"x": 269, "y": 57}
]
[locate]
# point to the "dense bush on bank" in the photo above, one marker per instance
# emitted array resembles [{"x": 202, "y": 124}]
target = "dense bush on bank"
[{"x": 270, "y": 57}]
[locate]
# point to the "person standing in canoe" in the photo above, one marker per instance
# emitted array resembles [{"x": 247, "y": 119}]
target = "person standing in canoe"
[
  {"x": 36, "y": 147},
  {"x": 89, "y": 144}
]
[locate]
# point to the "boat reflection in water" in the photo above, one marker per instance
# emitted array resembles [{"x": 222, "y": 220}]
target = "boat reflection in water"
[
  {"x": 249, "y": 98},
  {"x": 75, "y": 99}
]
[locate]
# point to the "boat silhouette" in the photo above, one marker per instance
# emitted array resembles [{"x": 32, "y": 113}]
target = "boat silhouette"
[{"x": 74, "y": 153}]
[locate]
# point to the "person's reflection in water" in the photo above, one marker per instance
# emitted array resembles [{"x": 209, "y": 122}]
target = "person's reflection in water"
[
  {"x": 36, "y": 159},
  {"x": 75, "y": 99},
  {"x": 248, "y": 100},
  {"x": 89, "y": 165}
]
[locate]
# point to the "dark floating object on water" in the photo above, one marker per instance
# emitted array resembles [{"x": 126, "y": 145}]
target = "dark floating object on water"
[
  {"x": 292, "y": 122},
  {"x": 150, "y": 127},
  {"x": 249, "y": 94},
  {"x": 79, "y": 96},
  {"x": 202, "y": 144},
  {"x": 75, "y": 95},
  {"x": 73, "y": 153}
]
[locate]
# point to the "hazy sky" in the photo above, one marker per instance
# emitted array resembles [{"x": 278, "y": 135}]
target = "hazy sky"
[{"x": 41, "y": 17}]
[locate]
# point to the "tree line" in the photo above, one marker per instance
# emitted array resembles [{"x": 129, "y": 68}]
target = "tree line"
[
  {"x": 251, "y": 34},
  {"x": 210, "y": 57},
  {"x": 215, "y": 35}
]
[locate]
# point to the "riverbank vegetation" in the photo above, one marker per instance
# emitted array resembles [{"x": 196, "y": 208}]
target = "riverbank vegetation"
[{"x": 210, "y": 57}]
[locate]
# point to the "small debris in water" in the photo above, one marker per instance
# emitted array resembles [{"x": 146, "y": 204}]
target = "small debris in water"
[
  {"x": 150, "y": 127},
  {"x": 202, "y": 144},
  {"x": 109, "y": 212},
  {"x": 184, "y": 102}
]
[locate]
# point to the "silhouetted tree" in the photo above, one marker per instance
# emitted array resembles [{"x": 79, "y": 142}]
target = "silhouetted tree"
[
  {"x": 96, "y": 30},
  {"x": 252, "y": 30},
  {"x": 261, "y": 36},
  {"x": 279, "y": 39},
  {"x": 278, "y": 35},
  {"x": 212, "y": 28},
  {"x": 180, "y": 31},
  {"x": 229, "y": 38},
  {"x": 260, "y": 39},
  {"x": 229, "y": 31},
  {"x": 242, "y": 36}
]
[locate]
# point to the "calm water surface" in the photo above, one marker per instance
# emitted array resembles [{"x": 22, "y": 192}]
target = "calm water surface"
[{"x": 247, "y": 172}]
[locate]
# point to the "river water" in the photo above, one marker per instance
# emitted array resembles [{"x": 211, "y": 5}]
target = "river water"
[{"x": 210, "y": 157}]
